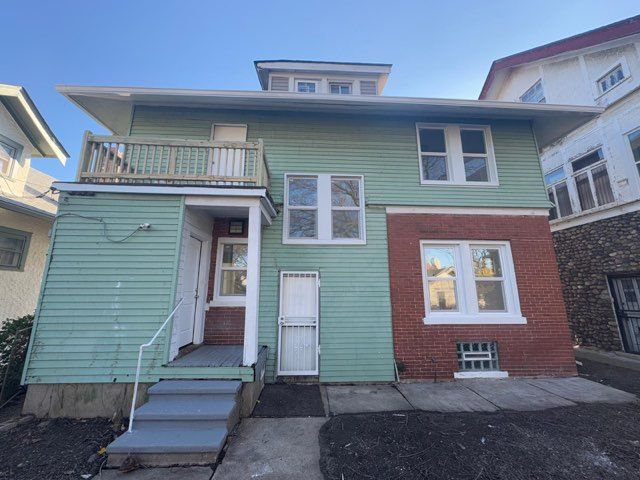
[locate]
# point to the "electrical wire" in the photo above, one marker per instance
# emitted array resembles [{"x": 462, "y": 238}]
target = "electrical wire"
[{"x": 104, "y": 226}]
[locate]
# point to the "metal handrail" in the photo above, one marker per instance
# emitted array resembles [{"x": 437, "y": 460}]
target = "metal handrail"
[{"x": 140, "y": 351}]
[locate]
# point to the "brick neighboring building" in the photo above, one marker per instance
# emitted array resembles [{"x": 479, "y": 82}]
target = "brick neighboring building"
[{"x": 541, "y": 346}]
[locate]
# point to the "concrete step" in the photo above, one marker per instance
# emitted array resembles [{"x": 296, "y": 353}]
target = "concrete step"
[
  {"x": 177, "y": 397},
  {"x": 186, "y": 409},
  {"x": 195, "y": 387},
  {"x": 169, "y": 441}
]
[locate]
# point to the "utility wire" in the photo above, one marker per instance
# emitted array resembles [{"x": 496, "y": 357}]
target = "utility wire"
[{"x": 104, "y": 226}]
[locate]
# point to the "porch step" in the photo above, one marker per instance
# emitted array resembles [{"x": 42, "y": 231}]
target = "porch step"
[{"x": 184, "y": 422}]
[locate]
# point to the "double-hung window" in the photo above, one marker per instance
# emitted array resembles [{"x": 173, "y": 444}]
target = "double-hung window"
[
  {"x": 556, "y": 182},
  {"x": 592, "y": 180},
  {"x": 340, "y": 88},
  {"x": 634, "y": 141},
  {"x": 306, "y": 86},
  {"x": 231, "y": 272},
  {"x": 469, "y": 282},
  {"x": 324, "y": 208},
  {"x": 14, "y": 245},
  {"x": 456, "y": 154}
]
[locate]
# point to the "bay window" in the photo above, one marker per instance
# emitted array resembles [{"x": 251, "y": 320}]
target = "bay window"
[
  {"x": 324, "y": 209},
  {"x": 592, "y": 180},
  {"x": 469, "y": 282}
]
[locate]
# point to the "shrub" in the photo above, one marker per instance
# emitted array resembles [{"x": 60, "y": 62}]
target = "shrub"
[{"x": 14, "y": 340}]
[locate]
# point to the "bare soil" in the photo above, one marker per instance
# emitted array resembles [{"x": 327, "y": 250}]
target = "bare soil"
[
  {"x": 596, "y": 441},
  {"x": 289, "y": 400},
  {"x": 616, "y": 377}
]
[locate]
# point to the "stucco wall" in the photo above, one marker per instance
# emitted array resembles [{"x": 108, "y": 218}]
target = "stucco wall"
[{"x": 19, "y": 289}]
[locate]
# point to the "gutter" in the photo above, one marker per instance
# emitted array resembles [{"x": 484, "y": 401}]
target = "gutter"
[{"x": 26, "y": 209}]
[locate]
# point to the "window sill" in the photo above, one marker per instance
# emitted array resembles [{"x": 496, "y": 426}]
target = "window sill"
[
  {"x": 224, "y": 302},
  {"x": 458, "y": 184},
  {"x": 481, "y": 374},
  {"x": 289, "y": 241},
  {"x": 480, "y": 319}
]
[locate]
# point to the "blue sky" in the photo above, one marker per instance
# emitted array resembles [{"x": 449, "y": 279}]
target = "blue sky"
[{"x": 439, "y": 49}]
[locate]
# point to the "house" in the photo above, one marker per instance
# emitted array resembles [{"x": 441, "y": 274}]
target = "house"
[
  {"x": 27, "y": 207},
  {"x": 592, "y": 174},
  {"x": 315, "y": 230}
]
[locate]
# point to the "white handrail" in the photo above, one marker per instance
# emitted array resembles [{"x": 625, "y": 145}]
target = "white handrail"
[{"x": 141, "y": 349}]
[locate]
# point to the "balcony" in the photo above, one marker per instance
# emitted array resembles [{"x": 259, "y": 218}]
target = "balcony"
[{"x": 165, "y": 161}]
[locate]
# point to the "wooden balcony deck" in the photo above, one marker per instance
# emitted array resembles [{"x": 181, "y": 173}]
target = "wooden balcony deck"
[{"x": 162, "y": 161}]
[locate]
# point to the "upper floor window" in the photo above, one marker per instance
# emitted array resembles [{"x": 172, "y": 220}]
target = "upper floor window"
[
  {"x": 9, "y": 152},
  {"x": 611, "y": 79},
  {"x": 306, "y": 86},
  {"x": 340, "y": 88},
  {"x": 556, "y": 182},
  {"x": 456, "y": 154},
  {"x": 592, "y": 180},
  {"x": 634, "y": 140},
  {"x": 535, "y": 94},
  {"x": 324, "y": 209},
  {"x": 14, "y": 245}
]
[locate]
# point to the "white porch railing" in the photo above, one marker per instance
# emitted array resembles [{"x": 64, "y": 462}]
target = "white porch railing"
[
  {"x": 140, "y": 351},
  {"x": 142, "y": 160}
]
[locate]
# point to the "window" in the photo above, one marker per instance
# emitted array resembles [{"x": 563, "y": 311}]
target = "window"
[
  {"x": 592, "y": 180},
  {"x": 477, "y": 356},
  {"x": 611, "y": 79},
  {"x": 340, "y": 88},
  {"x": 14, "y": 245},
  {"x": 534, "y": 95},
  {"x": 368, "y": 87},
  {"x": 456, "y": 154},
  {"x": 558, "y": 192},
  {"x": 323, "y": 209},
  {"x": 9, "y": 152},
  {"x": 231, "y": 272},
  {"x": 634, "y": 141},
  {"x": 467, "y": 282},
  {"x": 306, "y": 86}
]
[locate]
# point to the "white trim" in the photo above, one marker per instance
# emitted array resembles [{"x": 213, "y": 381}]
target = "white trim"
[
  {"x": 543, "y": 212},
  {"x": 624, "y": 66},
  {"x": 481, "y": 374},
  {"x": 219, "y": 300},
  {"x": 465, "y": 281},
  {"x": 599, "y": 213},
  {"x": 298, "y": 80},
  {"x": 222, "y": 124},
  {"x": 324, "y": 211},
  {"x": 254, "y": 236},
  {"x": 454, "y": 155}
]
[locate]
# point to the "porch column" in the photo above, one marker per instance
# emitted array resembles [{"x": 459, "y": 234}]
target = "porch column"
[{"x": 250, "y": 354}]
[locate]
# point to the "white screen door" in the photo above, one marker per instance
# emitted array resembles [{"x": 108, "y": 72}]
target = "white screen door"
[
  {"x": 190, "y": 294},
  {"x": 298, "y": 324},
  {"x": 228, "y": 162}
]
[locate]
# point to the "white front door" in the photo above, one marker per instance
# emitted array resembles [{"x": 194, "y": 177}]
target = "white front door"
[
  {"x": 228, "y": 162},
  {"x": 298, "y": 324},
  {"x": 190, "y": 294}
]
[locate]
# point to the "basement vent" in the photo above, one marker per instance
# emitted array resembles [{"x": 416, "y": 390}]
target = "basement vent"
[
  {"x": 279, "y": 84},
  {"x": 368, "y": 87},
  {"x": 477, "y": 356}
]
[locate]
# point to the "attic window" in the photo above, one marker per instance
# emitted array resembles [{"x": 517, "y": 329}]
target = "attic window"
[
  {"x": 368, "y": 87},
  {"x": 612, "y": 78},
  {"x": 534, "y": 95},
  {"x": 306, "y": 86},
  {"x": 340, "y": 88}
]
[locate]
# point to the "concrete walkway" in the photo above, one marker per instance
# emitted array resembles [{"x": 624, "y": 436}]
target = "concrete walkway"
[{"x": 477, "y": 395}]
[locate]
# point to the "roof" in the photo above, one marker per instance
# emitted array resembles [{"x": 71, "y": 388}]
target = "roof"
[
  {"x": 613, "y": 31},
  {"x": 36, "y": 199},
  {"x": 20, "y": 106},
  {"x": 263, "y": 67},
  {"x": 113, "y": 106}
]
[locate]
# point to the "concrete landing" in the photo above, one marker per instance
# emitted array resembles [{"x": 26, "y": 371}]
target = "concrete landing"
[
  {"x": 444, "y": 397},
  {"x": 173, "y": 473},
  {"x": 366, "y": 398},
  {"x": 273, "y": 448},
  {"x": 583, "y": 391}
]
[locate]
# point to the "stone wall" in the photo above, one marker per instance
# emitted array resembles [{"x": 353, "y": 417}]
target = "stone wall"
[{"x": 587, "y": 255}]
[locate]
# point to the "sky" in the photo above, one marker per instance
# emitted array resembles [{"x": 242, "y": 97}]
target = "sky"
[{"x": 438, "y": 49}]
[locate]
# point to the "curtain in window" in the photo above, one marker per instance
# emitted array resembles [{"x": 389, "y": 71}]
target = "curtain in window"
[
  {"x": 564, "y": 203},
  {"x": 602, "y": 185},
  {"x": 584, "y": 192}
]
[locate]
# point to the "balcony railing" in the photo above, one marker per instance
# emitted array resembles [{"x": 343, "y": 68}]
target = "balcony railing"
[{"x": 142, "y": 160}]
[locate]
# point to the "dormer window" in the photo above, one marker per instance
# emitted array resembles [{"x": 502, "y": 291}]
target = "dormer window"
[
  {"x": 340, "y": 88},
  {"x": 306, "y": 86},
  {"x": 9, "y": 153},
  {"x": 612, "y": 78}
]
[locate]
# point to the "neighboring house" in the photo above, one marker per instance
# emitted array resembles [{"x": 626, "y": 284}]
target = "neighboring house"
[
  {"x": 592, "y": 174},
  {"x": 315, "y": 227},
  {"x": 27, "y": 207}
]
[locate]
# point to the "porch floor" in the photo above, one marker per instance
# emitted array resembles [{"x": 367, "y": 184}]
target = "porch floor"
[{"x": 211, "y": 356}]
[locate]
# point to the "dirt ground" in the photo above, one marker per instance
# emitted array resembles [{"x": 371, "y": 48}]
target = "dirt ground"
[
  {"x": 596, "y": 441},
  {"x": 54, "y": 449},
  {"x": 616, "y": 377},
  {"x": 289, "y": 400}
]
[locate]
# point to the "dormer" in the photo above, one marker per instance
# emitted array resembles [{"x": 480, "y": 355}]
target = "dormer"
[{"x": 327, "y": 78}]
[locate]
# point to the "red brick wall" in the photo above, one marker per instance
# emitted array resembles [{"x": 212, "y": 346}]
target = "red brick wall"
[
  {"x": 541, "y": 347},
  {"x": 222, "y": 325}
]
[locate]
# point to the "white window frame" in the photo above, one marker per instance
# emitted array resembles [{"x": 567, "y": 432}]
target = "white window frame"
[
  {"x": 340, "y": 83},
  {"x": 219, "y": 300},
  {"x": 622, "y": 64},
  {"x": 12, "y": 160},
  {"x": 636, "y": 163},
  {"x": 468, "y": 311},
  {"x": 324, "y": 231},
  {"x": 587, "y": 170},
  {"x": 544, "y": 97},
  {"x": 455, "y": 155},
  {"x": 552, "y": 187},
  {"x": 306, "y": 80}
]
